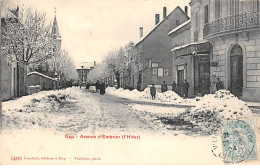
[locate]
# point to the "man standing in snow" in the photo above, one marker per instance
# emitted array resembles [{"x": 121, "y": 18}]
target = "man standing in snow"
[
  {"x": 153, "y": 91},
  {"x": 97, "y": 86},
  {"x": 219, "y": 85},
  {"x": 102, "y": 88},
  {"x": 164, "y": 87},
  {"x": 186, "y": 86}
]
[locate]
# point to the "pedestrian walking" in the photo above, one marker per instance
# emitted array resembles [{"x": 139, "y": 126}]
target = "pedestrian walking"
[
  {"x": 186, "y": 86},
  {"x": 97, "y": 86},
  {"x": 174, "y": 87},
  {"x": 164, "y": 87},
  {"x": 219, "y": 85},
  {"x": 102, "y": 88},
  {"x": 153, "y": 91}
]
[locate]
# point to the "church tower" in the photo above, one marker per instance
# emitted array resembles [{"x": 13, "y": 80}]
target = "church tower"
[{"x": 55, "y": 34}]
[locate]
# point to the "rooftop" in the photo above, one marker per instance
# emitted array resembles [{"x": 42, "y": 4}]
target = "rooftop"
[
  {"x": 179, "y": 27},
  {"x": 158, "y": 24}
]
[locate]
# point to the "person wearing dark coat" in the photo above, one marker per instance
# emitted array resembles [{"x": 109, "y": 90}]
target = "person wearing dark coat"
[
  {"x": 204, "y": 87},
  {"x": 219, "y": 85},
  {"x": 186, "y": 86},
  {"x": 174, "y": 87},
  {"x": 153, "y": 91},
  {"x": 102, "y": 88},
  {"x": 164, "y": 87},
  {"x": 97, "y": 86}
]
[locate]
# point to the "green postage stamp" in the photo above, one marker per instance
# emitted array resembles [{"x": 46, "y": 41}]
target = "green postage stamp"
[{"x": 239, "y": 141}]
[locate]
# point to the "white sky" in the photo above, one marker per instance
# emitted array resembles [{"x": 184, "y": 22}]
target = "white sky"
[{"x": 91, "y": 28}]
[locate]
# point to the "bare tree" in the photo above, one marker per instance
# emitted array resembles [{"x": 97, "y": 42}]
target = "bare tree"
[
  {"x": 62, "y": 64},
  {"x": 27, "y": 37}
]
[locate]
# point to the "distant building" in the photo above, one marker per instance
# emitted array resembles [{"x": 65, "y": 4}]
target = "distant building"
[
  {"x": 83, "y": 70},
  {"x": 154, "y": 50}
]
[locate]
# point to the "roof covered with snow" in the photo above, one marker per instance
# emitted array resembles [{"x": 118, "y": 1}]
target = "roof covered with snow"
[
  {"x": 38, "y": 73},
  {"x": 179, "y": 27},
  {"x": 186, "y": 45},
  {"x": 84, "y": 65}
]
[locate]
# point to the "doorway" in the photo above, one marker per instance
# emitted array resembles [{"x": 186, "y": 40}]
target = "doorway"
[
  {"x": 236, "y": 70},
  {"x": 202, "y": 74},
  {"x": 180, "y": 80}
]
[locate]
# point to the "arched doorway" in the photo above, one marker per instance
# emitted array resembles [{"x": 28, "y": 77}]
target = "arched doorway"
[{"x": 236, "y": 69}]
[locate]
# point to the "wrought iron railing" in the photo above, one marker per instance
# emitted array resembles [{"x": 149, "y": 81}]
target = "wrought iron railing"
[{"x": 233, "y": 22}]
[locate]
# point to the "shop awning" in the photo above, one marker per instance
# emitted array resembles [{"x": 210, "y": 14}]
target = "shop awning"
[{"x": 192, "y": 49}]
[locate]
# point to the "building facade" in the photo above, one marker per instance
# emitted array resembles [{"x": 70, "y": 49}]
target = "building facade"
[
  {"x": 224, "y": 43},
  {"x": 154, "y": 50},
  {"x": 232, "y": 27},
  {"x": 83, "y": 71}
]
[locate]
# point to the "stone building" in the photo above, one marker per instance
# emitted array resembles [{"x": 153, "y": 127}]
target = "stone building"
[
  {"x": 154, "y": 50},
  {"x": 232, "y": 28},
  {"x": 83, "y": 70}
]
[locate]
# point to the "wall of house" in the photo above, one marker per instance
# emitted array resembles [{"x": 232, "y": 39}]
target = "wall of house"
[
  {"x": 182, "y": 37},
  {"x": 8, "y": 79},
  {"x": 157, "y": 48},
  {"x": 35, "y": 79}
]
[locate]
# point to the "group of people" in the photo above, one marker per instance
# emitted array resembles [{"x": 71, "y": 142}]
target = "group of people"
[
  {"x": 101, "y": 87},
  {"x": 182, "y": 88}
]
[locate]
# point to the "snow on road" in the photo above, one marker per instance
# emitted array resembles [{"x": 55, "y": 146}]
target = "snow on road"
[
  {"x": 44, "y": 118},
  {"x": 74, "y": 110}
]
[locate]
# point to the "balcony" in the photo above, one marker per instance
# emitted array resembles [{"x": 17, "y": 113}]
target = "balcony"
[{"x": 233, "y": 23}]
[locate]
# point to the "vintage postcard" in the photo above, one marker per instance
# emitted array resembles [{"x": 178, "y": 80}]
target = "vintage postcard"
[{"x": 130, "y": 82}]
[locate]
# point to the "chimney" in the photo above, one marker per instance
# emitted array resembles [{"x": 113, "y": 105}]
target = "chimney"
[
  {"x": 141, "y": 32},
  {"x": 164, "y": 12},
  {"x": 94, "y": 63},
  {"x": 186, "y": 10},
  {"x": 157, "y": 18}
]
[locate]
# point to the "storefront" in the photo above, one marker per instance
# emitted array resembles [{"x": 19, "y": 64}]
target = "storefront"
[{"x": 192, "y": 62}]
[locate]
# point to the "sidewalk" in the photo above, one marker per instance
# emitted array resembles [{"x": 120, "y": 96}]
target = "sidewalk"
[{"x": 253, "y": 104}]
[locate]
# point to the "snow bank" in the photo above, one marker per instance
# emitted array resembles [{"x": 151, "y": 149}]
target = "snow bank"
[
  {"x": 213, "y": 108},
  {"x": 168, "y": 97},
  {"x": 34, "y": 110}
]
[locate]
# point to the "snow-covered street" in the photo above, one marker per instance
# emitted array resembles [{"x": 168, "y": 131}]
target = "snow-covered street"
[
  {"x": 51, "y": 115},
  {"x": 76, "y": 110}
]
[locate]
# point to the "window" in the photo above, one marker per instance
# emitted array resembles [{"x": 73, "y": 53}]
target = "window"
[
  {"x": 217, "y": 9},
  {"x": 234, "y": 7},
  {"x": 206, "y": 14},
  {"x": 155, "y": 65},
  {"x": 196, "y": 21}
]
